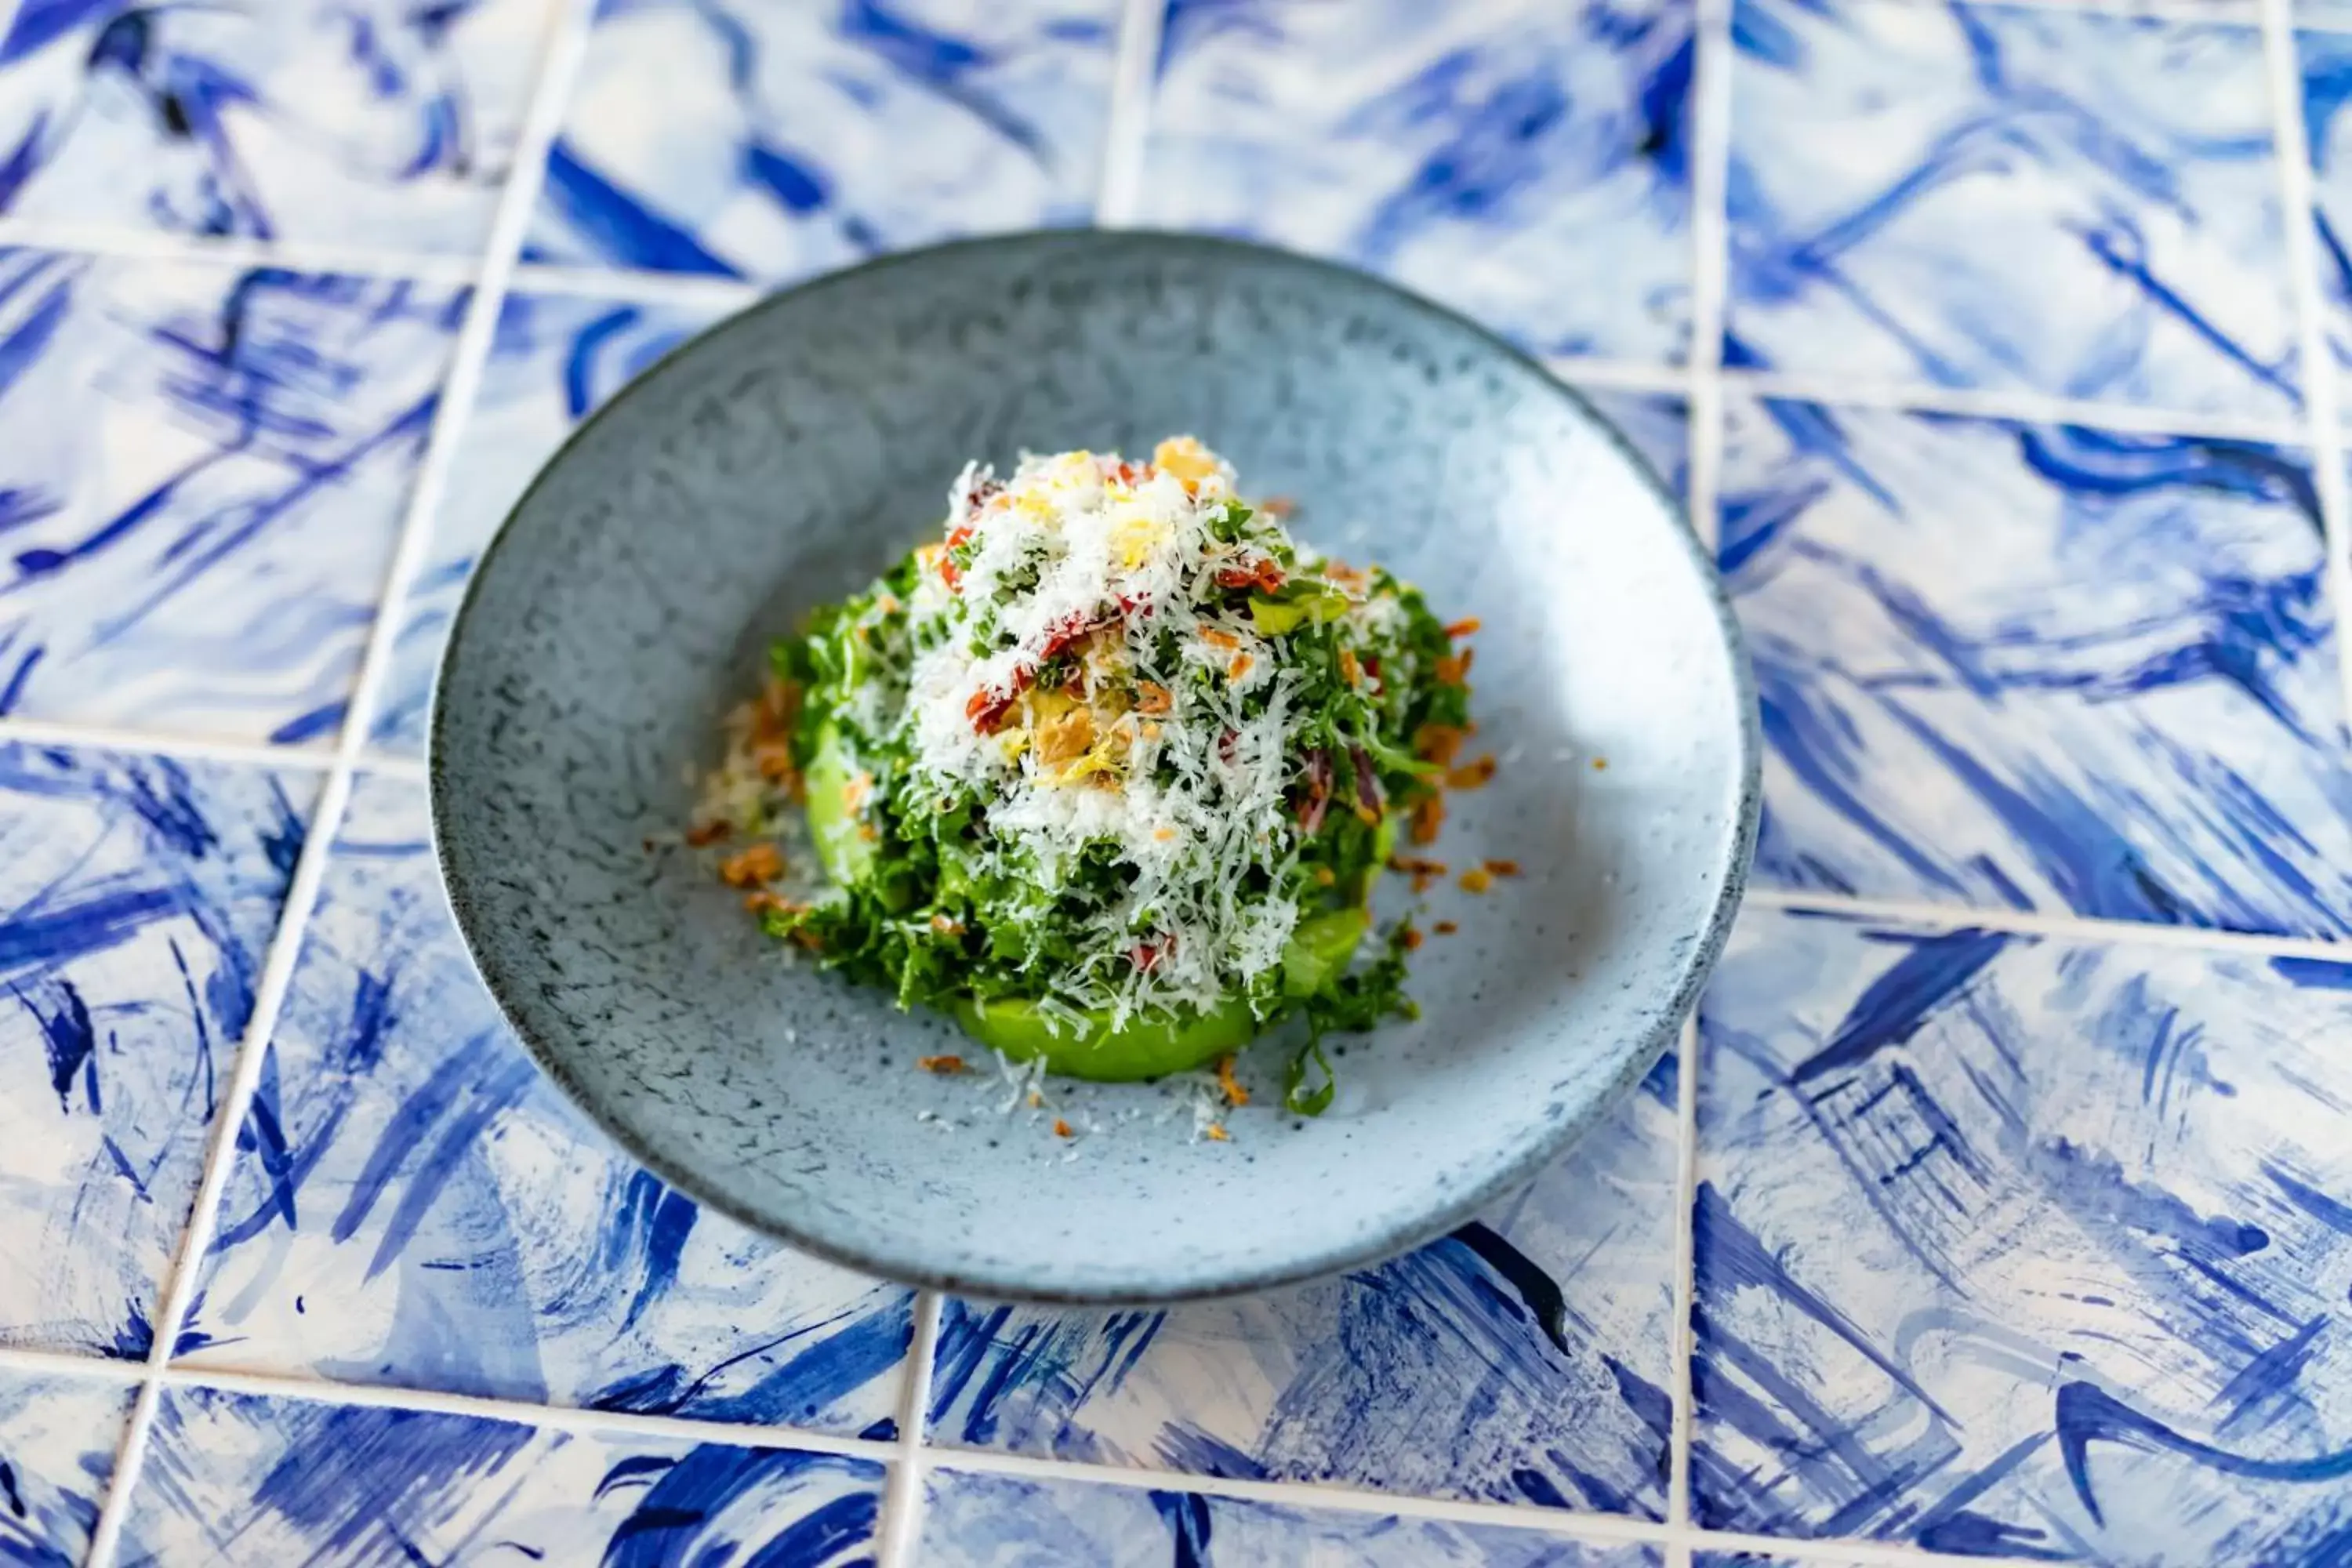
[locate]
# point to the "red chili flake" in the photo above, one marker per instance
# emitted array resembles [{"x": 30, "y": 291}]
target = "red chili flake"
[
  {"x": 1463, "y": 629},
  {"x": 1446, "y": 927},
  {"x": 1061, "y": 1128},
  {"x": 1411, "y": 937},
  {"x": 1146, "y": 955},
  {"x": 1260, "y": 574},
  {"x": 704, "y": 834},
  {"x": 988, "y": 707},
  {"x": 1069, "y": 629},
  {"x": 1503, "y": 868},
  {"x": 946, "y": 1066}
]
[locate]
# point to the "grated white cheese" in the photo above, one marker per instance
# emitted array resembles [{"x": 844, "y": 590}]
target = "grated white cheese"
[{"x": 1088, "y": 558}]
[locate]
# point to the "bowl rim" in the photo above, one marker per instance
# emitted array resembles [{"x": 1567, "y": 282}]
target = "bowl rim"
[{"x": 879, "y": 1257}]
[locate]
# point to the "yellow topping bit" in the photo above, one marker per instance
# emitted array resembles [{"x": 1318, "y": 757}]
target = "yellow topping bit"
[
  {"x": 1185, "y": 459},
  {"x": 1065, "y": 737},
  {"x": 1134, "y": 537}
]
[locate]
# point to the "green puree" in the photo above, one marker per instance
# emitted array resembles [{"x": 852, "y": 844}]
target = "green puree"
[{"x": 1054, "y": 955}]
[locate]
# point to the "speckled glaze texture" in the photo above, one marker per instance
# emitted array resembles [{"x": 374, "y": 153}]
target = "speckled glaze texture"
[{"x": 787, "y": 457}]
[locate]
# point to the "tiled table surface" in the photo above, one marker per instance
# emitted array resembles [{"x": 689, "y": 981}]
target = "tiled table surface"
[{"x": 2000, "y": 1204}]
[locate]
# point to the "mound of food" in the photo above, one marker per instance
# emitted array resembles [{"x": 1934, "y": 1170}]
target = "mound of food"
[{"x": 1107, "y": 769}]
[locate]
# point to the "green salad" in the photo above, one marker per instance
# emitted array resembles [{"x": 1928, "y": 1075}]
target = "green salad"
[{"x": 1108, "y": 771}]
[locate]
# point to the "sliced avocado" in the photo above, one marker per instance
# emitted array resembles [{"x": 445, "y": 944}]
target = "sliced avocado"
[
  {"x": 1145, "y": 1047},
  {"x": 1359, "y": 887},
  {"x": 847, "y": 854},
  {"x": 1320, "y": 950},
  {"x": 1280, "y": 617},
  {"x": 1154, "y": 1047}
]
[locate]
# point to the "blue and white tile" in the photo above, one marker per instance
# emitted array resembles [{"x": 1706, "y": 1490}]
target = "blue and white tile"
[
  {"x": 2041, "y": 667},
  {"x": 203, "y": 473},
  {"x": 1525, "y": 1360},
  {"x": 352, "y": 122},
  {"x": 138, "y": 897},
  {"x": 2029, "y": 198},
  {"x": 2025, "y": 1247},
  {"x": 774, "y": 141},
  {"x": 413, "y": 1204},
  {"x": 57, "y": 1437},
  {"x": 554, "y": 360},
  {"x": 1006, "y": 1522},
  {"x": 2325, "y": 57},
  {"x": 1527, "y": 163},
  {"x": 234, "y": 1480}
]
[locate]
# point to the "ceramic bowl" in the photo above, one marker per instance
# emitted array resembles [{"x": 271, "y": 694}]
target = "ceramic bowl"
[{"x": 786, "y": 457}]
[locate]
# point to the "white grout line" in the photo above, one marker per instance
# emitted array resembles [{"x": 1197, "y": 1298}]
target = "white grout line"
[
  {"x": 1684, "y": 1391},
  {"x": 1119, "y": 198},
  {"x": 552, "y": 1417},
  {"x": 721, "y": 296},
  {"x": 1859, "y": 1553},
  {"x": 1342, "y": 1497},
  {"x": 200, "y": 748},
  {"x": 193, "y": 748},
  {"x": 1308, "y": 1494},
  {"x": 565, "y": 40},
  {"x": 686, "y": 290},
  {"x": 2020, "y": 407},
  {"x": 2237, "y": 12},
  {"x": 388, "y": 764},
  {"x": 28, "y": 1362},
  {"x": 1920, "y": 397},
  {"x": 187, "y": 1267},
  {"x": 1620, "y": 375},
  {"x": 2312, "y": 309},
  {"x": 1710, "y": 287},
  {"x": 2024, "y": 922},
  {"x": 1608, "y": 1527},
  {"x": 181, "y": 249},
  {"x": 592, "y": 1423},
  {"x": 900, "y": 1536}
]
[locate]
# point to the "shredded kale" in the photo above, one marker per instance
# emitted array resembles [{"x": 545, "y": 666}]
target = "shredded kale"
[{"x": 942, "y": 911}]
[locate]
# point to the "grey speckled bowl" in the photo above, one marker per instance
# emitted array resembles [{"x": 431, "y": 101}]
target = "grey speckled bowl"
[{"x": 786, "y": 457}]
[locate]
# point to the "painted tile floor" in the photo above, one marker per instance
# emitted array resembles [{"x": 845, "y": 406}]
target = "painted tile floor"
[{"x": 1999, "y": 1205}]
